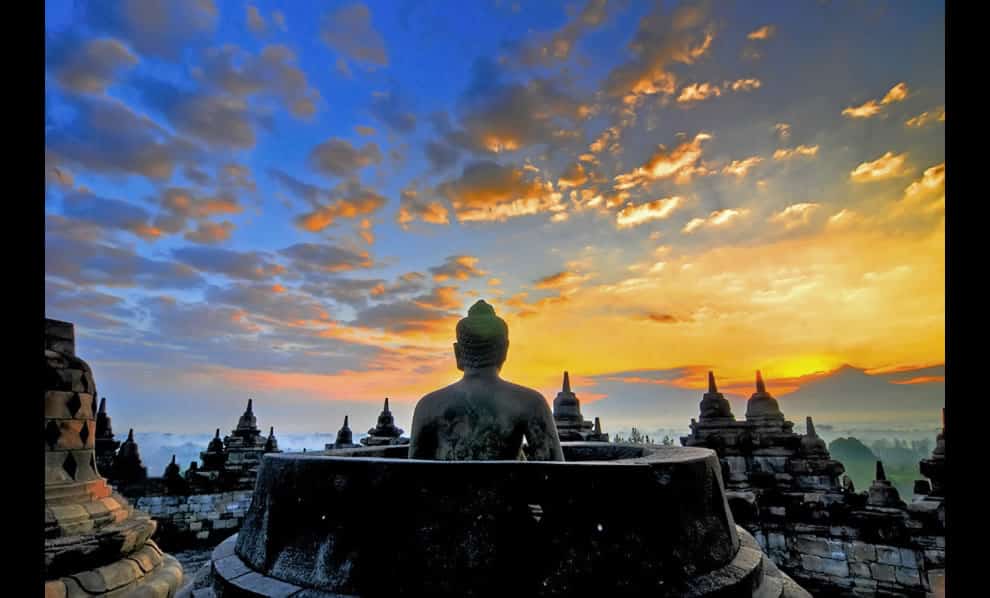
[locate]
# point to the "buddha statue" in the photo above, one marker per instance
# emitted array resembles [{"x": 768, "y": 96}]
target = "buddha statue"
[{"x": 482, "y": 416}]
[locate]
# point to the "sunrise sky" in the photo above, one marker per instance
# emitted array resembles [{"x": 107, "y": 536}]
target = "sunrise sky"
[{"x": 296, "y": 201}]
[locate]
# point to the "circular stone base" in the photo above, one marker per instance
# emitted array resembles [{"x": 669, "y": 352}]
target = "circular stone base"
[{"x": 750, "y": 574}]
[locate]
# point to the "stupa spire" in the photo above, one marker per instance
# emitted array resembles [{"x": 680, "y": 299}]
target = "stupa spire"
[
  {"x": 881, "y": 475},
  {"x": 130, "y": 435},
  {"x": 217, "y": 435},
  {"x": 567, "y": 382},
  {"x": 810, "y": 427},
  {"x": 386, "y": 406},
  {"x": 761, "y": 386},
  {"x": 103, "y": 409},
  {"x": 711, "y": 382},
  {"x": 598, "y": 426},
  {"x": 250, "y": 408}
]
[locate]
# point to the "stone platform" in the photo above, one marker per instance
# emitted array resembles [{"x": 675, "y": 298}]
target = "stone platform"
[{"x": 614, "y": 519}]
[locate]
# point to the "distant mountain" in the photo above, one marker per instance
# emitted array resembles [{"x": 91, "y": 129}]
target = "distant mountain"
[{"x": 850, "y": 394}]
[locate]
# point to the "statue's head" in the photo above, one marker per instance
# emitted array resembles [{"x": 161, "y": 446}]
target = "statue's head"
[{"x": 482, "y": 338}]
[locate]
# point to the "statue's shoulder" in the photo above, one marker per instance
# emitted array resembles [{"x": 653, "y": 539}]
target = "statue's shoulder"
[{"x": 525, "y": 392}]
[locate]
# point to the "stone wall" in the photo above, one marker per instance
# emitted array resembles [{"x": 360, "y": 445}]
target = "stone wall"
[
  {"x": 196, "y": 519},
  {"x": 832, "y": 562}
]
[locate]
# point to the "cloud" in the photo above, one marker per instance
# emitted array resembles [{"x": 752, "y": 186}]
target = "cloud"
[
  {"x": 337, "y": 157},
  {"x": 179, "y": 205},
  {"x": 697, "y": 92},
  {"x": 573, "y": 176},
  {"x": 278, "y": 17},
  {"x": 676, "y": 163},
  {"x": 740, "y": 168},
  {"x": 157, "y": 28},
  {"x": 795, "y": 215},
  {"x": 389, "y": 108},
  {"x": 765, "y": 32},
  {"x": 273, "y": 71},
  {"x": 660, "y": 41},
  {"x": 801, "y": 150},
  {"x": 659, "y": 209},
  {"x": 108, "y": 137},
  {"x": 885, "y": 167},
  {"x": 929, "y": 190},
  {"x": 718, "y": 218},
  {"x": 488, "y": 191},
  {"x": 783, "y": 131},
  {"x": 349, "y": 31},
  {"x": 557, "y": 46},
  {"x": 90, "y": 66},
  {"x": 255, "y": 22},
  {"x": 348, "y": 200},
  {"x": 561, "y": 279},
  {"x": 936, "y": 115},
  {"x": 662, "y": 318},
  {"x": 404, "y": 317},
  {"x": 441, "y": 155},
  {"x": 110, "y": 213},
  {"x": 364, "y": 131},
  {"x": 497, "y": 117},
  {"x": 871, "y": 108},
  {"x": 355, "y": 292},
  {"x": 312, "y": 258},
  {"x": 241, "y": 265},
  {"x": 459, "y": 267},
  {"x": 98, "y": 263},
  {"x": 412, "y": 207},
  {"x": 264, "y": 304},
  {"x": 442, "y": 297},
  {"x": 743, "y": 84},
  {"x": 208, "y": 233}
]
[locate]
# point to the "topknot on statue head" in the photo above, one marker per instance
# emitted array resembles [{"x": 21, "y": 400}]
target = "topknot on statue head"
[{"x": 482, "y": 338}]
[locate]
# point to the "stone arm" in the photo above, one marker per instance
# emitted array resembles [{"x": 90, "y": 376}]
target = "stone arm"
[
  {"x": 422, "y": 445},
  {"x": 541, "y": 433}
]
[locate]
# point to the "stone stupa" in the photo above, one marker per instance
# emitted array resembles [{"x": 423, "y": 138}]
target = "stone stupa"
[{"x": 96, "y": 544}]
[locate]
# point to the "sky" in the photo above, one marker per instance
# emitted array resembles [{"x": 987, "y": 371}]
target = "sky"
[{"x": 296, "y": 202}]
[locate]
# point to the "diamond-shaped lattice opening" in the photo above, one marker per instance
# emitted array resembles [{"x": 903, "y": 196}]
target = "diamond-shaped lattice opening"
[
  {"x": 52, "y": 433},
  {"x": 84, "y": 433},
  {"x": 74, "y": 404},
  {"x": 70, "y": 466}
]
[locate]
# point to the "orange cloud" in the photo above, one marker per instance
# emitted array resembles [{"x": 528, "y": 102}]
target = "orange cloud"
[
  {"x": 795, "y": 215},
  {"x": 697, "y": 92},
  {"x": 659, "y": 209},
  {"x": 209, "y": 232},
  {"x": 871, "y": 108},
  {"x": 765, "y": 32},
  {"x": 801, "y": 150},
  {"x": 561, "y": 279},
  {"x": 744, "y": 84},
  {"x": 929, "y": 190},
  {"x": 715, "y": 219},
  {"x": 885, "y": 167},
  {"x": 740, "y": 168},
  {"x": 487, "y": 191},
  {"x": 573, "y": 176},
  {"x": 676, "y": 164},
  {"x": 937, "y": 115}
]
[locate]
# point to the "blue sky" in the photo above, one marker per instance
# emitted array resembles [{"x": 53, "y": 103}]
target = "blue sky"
[{"x": 298, "y": 200}]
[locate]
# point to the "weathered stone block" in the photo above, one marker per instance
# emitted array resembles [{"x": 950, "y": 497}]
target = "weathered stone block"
[
  {"x": 777, "y": 541},
  {"x": 888, "y": 555},
  {"x": 862, "y": 551},
  {"x": 860, "y": 570},
  {"x": 827, "y": 566},
  {"x": 883, "y": 572},
  {"x": 195, "y": 526},
  {"x": 202, "y": 535},
  {"x": 909, "y": 558},
  {"x": 811, "y": 545}
]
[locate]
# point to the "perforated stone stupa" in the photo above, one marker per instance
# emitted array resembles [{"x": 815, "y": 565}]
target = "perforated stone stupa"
[
  {"x": 96, "y": 544},
  {"x": 571, "y": 425}
]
